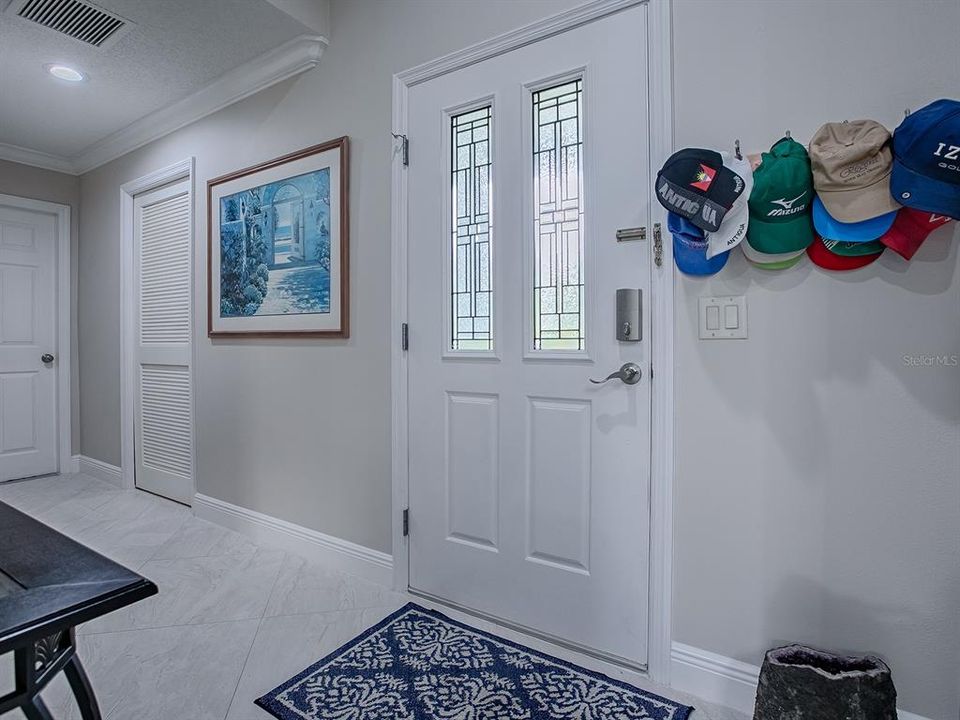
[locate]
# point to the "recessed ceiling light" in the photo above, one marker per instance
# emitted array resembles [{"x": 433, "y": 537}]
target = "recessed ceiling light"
[{"x": 64, "y": 72}]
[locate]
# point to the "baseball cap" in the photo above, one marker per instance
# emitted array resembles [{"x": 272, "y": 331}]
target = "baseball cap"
[
  {"x": 690, "y": 248},
  {"x": 853, "y": 249},
  {"x": 829, "y": 227},
  {"x": 770, "y": 261},
  {"x": 694, "y": 184},
  {"x": 910, "y": 229},
  {"x": 926, "y": 159},
  {"x": 780, "y": 200},
  {"x": 851, "y": 164},
  {"x": 832, "y": 255},
  {"x": 733, "y": 229}
]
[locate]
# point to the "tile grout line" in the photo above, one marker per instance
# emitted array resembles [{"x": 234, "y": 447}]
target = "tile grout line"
[
  {"x": 263, "y": 616},
  {"x": 243, "y": 667},
  {"x": 390, "y": 607},
  {"x": 246, "y": 659},
  {"x": 166, "y": 627},
  {"x": 160, "y": 545}
]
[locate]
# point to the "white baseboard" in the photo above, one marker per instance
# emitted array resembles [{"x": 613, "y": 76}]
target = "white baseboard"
[
  {"x": 74, "y": 466},
  {"x": 713, "y": 677},
  {"x": 100, "y": 470},
  {"x": 723, "y": 680},
  {"x": 336, "y": 553}
]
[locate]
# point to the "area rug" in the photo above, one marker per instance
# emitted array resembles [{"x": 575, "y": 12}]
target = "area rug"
[{"x": 418, "y": 664}]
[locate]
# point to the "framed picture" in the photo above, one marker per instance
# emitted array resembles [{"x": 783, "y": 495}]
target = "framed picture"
[{"x": 277, "y": 247}]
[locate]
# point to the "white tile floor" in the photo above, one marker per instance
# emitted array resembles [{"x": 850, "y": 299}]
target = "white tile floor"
[{"x": 232, "y": 619}]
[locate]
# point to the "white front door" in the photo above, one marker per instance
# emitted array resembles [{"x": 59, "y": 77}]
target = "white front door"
[
  {"x": 529, "y": 485},
  {"x": 28, "y": 332},
  {"x": 164, "y": 401}
]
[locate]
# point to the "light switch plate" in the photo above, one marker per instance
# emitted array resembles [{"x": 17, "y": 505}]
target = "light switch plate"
[{"x": 723, "y": 318}]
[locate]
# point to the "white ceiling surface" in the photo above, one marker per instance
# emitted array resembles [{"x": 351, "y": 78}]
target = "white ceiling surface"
[{"x": 176, "y": 48}]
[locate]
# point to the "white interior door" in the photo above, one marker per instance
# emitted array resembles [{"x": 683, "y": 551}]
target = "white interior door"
[
  {"x": 28, "y": 331},
  {"x": 529, "y": 485},
  {"x": 163, "y": 401}
]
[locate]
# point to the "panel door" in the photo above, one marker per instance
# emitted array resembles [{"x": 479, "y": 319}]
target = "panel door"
[
  {"x": 529, "y": 485},
  {"x": 28, "y": 331},
  {"x": 164, "y": 400}
]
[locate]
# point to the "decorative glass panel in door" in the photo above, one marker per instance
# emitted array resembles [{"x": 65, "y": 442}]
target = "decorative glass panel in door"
[
  {"x": 471, "y": 233},
  {"x": 558, "y": 263}
]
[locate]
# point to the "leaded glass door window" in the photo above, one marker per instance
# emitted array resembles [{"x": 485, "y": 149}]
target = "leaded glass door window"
[
  {"x": 471, "y": 288},
  {"x": 558, "y": 239}
]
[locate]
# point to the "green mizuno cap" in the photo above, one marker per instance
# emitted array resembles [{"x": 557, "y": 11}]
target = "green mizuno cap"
[{"x": 780, "y": 219}]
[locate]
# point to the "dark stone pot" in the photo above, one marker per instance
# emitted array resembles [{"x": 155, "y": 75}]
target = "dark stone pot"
[{"x": 800, "y": 683}]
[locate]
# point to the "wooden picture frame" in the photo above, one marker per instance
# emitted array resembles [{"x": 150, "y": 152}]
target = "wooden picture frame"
[{"x": 278, "y": 246}]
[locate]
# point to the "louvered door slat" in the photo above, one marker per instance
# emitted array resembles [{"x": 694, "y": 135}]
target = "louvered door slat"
[
  {"x": 165, "y": 400},
  {"x": 166, "y": 423},
  {"x": 164, "y": 272}
]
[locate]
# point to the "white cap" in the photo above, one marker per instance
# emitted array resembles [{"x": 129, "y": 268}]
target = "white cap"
[
  {"x": 762, "y": 258},
  {"x": 733, "y": 229}
]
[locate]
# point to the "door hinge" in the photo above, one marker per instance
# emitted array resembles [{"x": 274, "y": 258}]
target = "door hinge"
[
  {"x": 657, "y": 245},
  {"x": 406, "y": 522},
  {"x": 404, "y": 337},
  {"x": 404, "y": 148}
]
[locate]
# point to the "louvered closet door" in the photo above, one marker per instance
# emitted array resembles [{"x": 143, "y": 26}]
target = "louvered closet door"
[{"x": 164, "y": 402}]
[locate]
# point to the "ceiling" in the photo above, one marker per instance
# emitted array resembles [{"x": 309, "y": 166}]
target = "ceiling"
[{"x": 175, "y": 48}]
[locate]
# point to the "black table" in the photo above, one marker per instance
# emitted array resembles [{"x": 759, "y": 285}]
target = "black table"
[{"x": 49, "y": 584}]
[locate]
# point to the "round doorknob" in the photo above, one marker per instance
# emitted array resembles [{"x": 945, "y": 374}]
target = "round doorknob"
[{"x": 46, "y": 358}]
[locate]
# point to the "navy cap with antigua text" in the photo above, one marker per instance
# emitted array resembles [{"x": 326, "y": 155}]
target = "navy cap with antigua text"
[{"x": 695, "y": 184}]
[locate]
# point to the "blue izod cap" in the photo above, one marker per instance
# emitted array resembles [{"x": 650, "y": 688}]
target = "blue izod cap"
[{"x": 926, "y": 159}]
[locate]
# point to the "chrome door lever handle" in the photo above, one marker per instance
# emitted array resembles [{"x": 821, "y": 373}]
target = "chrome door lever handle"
[{"x": 629, "y": 373}]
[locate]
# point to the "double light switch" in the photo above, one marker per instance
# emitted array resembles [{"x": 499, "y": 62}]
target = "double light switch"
[{"x": 723, "y": 318}]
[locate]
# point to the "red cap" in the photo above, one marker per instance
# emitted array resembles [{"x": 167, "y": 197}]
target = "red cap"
[
  {"x": 910, "y": 229},
  {"x": 821, "y": 256}
]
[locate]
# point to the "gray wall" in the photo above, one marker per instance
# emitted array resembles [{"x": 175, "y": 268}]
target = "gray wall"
[
  {"x": 817, "y": 476},
  {"x": 313, "y": 448},
  {"x": 40, "y": 184}
]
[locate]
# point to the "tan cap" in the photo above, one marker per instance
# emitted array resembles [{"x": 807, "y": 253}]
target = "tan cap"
[{"x": 851, "y": 164}]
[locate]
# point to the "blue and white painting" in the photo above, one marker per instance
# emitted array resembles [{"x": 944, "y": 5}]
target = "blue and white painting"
[{"x": 275, "y": 248}]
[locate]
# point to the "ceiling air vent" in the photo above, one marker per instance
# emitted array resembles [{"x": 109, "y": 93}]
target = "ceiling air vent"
[{"x": 77, "y": 19}]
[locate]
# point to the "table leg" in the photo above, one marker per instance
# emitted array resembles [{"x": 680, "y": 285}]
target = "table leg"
[
  {"x": 36, "y": 709},
  {"x": 82, "y": 690}
]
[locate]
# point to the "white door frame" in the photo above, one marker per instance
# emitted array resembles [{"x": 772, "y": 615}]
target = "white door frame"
[
  {"x": 660, "y": 89},
  {"x": 128, "y": 336},
  {"x": 64, "y": 305}
]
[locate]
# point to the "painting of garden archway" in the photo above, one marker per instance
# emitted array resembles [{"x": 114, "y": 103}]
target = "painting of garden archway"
[{"x": 278, "y": 246}]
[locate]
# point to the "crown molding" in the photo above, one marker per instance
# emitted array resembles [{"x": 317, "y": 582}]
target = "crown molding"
[
  {"x": 36, "y": 158},
  {"x": 292, "y": 58}
]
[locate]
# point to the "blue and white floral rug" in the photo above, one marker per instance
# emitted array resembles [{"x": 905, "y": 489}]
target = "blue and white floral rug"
[{"x": 420, "y": 665}]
